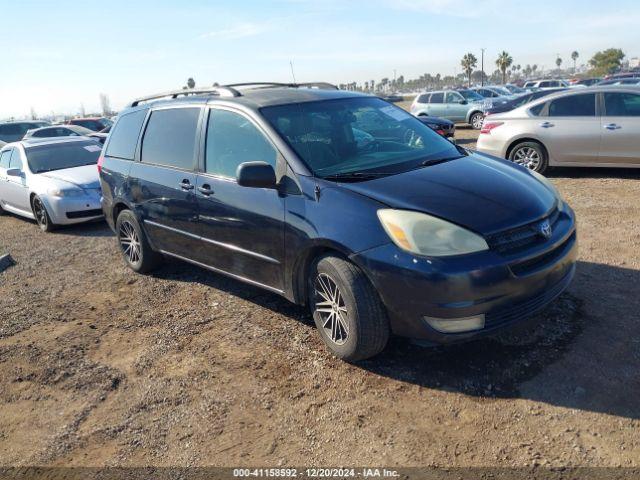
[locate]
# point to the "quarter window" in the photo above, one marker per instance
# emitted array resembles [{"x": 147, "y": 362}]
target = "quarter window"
[
  {"x": 574, "y": 106},
  {"x": 16, "y": 161},
  {"x": 124, "y": 138},
  {"x": 622, "y": 104},
  {"x": 5, "y": 158},
  {"x": 233, "y": 139},
  {"x": 170, "y": 138}
]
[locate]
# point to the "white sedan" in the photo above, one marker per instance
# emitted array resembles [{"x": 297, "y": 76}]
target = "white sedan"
[{"x": 53, "y": 181}]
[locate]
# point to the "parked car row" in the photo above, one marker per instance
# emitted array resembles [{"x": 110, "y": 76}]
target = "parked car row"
[
  {"x": 335, "y": 200},
  {"x": 593, "y": 127},
  {"x": 15, "y": 131}
]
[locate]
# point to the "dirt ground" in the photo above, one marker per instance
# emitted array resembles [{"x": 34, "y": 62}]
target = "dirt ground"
[{"x": 103, "y": 367}]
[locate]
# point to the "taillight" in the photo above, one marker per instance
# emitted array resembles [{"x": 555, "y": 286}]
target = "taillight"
[
  {"x": 487, "y": 127},
  {"x": 440, "y": 132},
  {"x": 100, "y": 161}
]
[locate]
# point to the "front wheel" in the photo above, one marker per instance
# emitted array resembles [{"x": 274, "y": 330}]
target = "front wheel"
[
  {"x": 347, "y": 310},
  {"x": 41, "y": 215},
  {"x": 530, "y": 155},
  {"x": 476, "y": 120},
  {"x": 134, "y": 247}
]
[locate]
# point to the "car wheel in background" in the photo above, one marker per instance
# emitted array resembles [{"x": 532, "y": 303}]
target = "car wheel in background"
[
  {"x": 531, "y": 155},
  {"x": 42, "y": 216},
  {"x": 347, "y": 310},
  {"x": 133, "y": 244},
  {"x": 476, "y": 120}
]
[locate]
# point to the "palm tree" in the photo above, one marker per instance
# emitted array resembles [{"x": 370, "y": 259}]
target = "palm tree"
[
  {"x": 503, "y": 62},
  {"x": 469, "y": 62},
  {"x": 191, "y": 83},
  {"x": 574, "y": 57},
  {"x": 558, "y": 62}
]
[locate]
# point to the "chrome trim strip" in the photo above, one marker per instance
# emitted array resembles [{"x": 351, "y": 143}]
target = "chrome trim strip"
[
  {"x": 217, "y": 270},
  {"x": 228, "y": 246}
]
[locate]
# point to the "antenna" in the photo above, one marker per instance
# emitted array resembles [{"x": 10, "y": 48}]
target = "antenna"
[{"x": 292, "y": 73}]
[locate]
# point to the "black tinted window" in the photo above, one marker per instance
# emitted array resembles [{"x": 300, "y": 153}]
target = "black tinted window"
[
  {"x": 537, "y": 109},
  {"x": 231, "y": 140},
  {"x": 170, "y": 137},
  {"x": 423, "y": 98},
  {"x": 574, "y": 106},
  {"x": 124, "y": 138},
  {"x": 622, "y": 104},
  {"x": 437, "y": 98}
]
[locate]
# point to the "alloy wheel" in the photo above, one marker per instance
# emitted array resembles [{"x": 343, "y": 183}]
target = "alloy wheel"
[
  {"x": 477, "y": 122},
  {"x": 527, "y": 157},
  {"x": 129, "y": 242},
  {"x": 40, "y": 212},
  {"x": 331, "y": 309}
]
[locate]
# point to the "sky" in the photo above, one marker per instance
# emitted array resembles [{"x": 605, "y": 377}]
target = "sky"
[{"x": 57, "y": 55}]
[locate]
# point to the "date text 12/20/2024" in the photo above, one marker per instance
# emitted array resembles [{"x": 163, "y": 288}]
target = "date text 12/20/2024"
[{"x": 316, "y": 472}]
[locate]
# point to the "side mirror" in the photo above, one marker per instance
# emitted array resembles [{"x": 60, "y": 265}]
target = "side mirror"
[
  {"x": 14, "y": 172},
  {"x": 463, "y": 102},
  {"x": 256, "y": 175}
]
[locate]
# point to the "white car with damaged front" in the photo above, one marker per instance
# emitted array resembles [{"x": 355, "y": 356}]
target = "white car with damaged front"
[{"x": 53, "y": 181}]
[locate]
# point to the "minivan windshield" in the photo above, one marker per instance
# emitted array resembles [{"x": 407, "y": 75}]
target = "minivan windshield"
[
  {"x": 358, "y": 136},
  {"x": 58, "y": 156}
]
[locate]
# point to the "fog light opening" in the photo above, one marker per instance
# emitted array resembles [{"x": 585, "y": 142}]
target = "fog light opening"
[{"x": 456, "y": 325}]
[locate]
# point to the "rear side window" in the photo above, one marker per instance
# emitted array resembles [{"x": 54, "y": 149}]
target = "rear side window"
[
  {"x": 535, "y": 111},
  {"x": 437, "y": 98},
  {"x": 124, "y": 138},
  {"x": 622, "y": 104},
  {"x": 231, "y": 140},
  {"x": 424, "y": 98},
  {"x": 170, "y": 138},
  {"x": 574, "y": 106},
  {"x": 16, "y": 161}
]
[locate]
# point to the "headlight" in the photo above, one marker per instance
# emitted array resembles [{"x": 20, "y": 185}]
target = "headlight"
[
  {"x": 426, "y": 235},
  {"x": 65, "y": 192},
  {"x": 545, "y": 181}
]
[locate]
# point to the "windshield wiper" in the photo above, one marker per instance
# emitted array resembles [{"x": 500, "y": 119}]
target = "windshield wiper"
[
  {"x": 435, "y": 161},
  {"x": 357, "y": 175}
]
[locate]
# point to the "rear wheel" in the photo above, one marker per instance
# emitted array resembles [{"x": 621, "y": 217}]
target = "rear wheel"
[
  {"x": 530, "y": 155},
  {"x": 347, "y": 310},
  {"x": 42, "y": 216},
  {"x": 476, "y": 120},
  {"x": 135, "y": 248}
]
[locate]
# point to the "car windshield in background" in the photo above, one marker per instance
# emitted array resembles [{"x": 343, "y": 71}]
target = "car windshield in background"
[
  {"x": 365, "y": 136},
  {"x": 470, "y": 95},
  {"x": 58, "y": 156}
]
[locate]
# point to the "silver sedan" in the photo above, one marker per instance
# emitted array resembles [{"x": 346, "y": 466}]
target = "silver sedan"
[
  {"x": 53, "y": 181},
  {"x": 587, "y": 127}
]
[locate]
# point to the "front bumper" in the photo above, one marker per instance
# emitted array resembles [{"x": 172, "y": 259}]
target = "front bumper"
[
  {"x": 71, "y": 210},
  {"x": 505, "y": 289}
]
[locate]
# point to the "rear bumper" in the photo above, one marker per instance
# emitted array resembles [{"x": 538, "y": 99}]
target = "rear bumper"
[
  {"x": 491, "y": 145},
  {"x": 413, "y": 287}
]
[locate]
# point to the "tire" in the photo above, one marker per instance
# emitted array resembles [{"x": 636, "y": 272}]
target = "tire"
[
  {"x": 1, "y": 210},
  {"x": 133, "y": 244},
  {"x": 531, "y": 155},
  {"x": 363, "y": 329},
  {"x": 41, "y": 215},
  {"x": 476, "y": 120}
]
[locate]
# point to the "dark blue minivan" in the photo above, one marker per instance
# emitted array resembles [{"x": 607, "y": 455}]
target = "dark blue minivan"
[{"x": 340, "y": 201}]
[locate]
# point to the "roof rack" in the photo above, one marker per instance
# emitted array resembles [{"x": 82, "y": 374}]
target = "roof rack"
[
  {"x": 230, "y": 90},
  {"x": 223, "y": 91},
  {"x": 319, "y": 85}
]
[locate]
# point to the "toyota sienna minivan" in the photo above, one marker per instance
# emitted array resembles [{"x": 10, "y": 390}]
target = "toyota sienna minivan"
[{"x": 339, "y": 201}]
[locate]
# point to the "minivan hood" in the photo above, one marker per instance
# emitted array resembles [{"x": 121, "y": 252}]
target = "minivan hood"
[
  {"x": 84, "y": 177},
  {"x": 483, "y": 194}
]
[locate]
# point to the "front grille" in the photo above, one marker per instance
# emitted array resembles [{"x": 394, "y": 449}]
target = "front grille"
[
  {"x": 521, "y": 238},
  {"x": 543, "y": 260},
  {"x": 529, "y": 306},
  {"x": 85, "y": 213}
]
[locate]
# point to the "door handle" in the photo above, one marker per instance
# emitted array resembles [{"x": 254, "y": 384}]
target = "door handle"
[
  {"x": 612, "y": 126},
  {"x": 205, "y": 190},
  {"x": 546, "y": 125},
  {"x": 186, "y": 185}
]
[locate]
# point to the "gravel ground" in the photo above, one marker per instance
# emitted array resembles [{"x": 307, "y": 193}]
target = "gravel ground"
[{"x": 102, "y": 367}]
